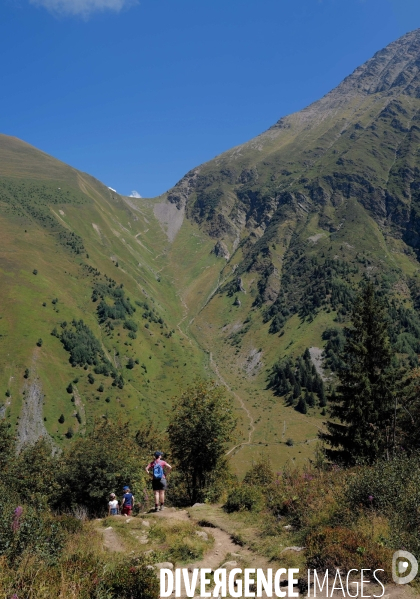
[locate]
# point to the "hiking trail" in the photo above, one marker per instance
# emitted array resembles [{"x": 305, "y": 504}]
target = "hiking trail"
[
  {"x": 251, "y": 427},
  {"x": 223, "y": 553}
]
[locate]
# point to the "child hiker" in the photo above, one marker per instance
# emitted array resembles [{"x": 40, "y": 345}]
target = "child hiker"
[
  {"x": 156, "y": 470},
  {"x": 113, "y": 507},
  {"x": 127, "y": 502}
]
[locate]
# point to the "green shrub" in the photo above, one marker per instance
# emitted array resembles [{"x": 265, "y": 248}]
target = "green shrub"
[
  {"x": 186, "y": 550},
  {"x": 104, "y": 460},
  {"x": 25, "y": 530},
  {"x": 390, "y": 488},
  {"x": 260, "y": 474},
  {"x": 331, "y": 548},
  {"x": 130, "y": 325},
  {"x": 131, "y": 581},
  {"x": 243, "y": 498}
]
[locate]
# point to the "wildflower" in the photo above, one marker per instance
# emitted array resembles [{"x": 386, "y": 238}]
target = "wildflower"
[
  {"x": 16, "y": 518},
  {"x": 370, "y": 498}
]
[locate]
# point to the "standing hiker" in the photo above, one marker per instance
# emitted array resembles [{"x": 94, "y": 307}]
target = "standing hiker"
[
  {"x": 156, "y": 470},
  {"x": 127, "y": 502},
  {"x": 113, "y": 507}
]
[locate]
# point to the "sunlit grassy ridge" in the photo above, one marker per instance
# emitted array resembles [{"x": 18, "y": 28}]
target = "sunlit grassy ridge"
[{"x": 47, "y": 282}]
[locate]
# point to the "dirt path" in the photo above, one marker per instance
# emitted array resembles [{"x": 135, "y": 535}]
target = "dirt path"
[
  {"x": 241, "y": 403},
  {"x": 223, "y": 544},
  {"x": 225, "y": 550},
  {"x": 178, "y": 326}
]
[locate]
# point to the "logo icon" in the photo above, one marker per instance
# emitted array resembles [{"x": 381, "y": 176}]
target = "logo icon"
[{"x": 401, "y": 562}]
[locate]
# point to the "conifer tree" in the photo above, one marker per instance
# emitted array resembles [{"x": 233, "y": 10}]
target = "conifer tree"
[
  {"x": 301, "y": 406},
  {"x": 364, "y": 399}
]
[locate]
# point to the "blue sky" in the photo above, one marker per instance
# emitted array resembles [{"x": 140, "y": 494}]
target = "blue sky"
[{"x": 138, "y": 93}]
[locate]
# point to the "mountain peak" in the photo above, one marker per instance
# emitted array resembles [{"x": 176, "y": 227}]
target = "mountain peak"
[
  {"x": 395, "y": 68},
  {"x": 392, "y": 71}
]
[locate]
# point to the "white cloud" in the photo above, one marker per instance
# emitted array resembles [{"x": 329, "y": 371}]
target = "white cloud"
[
  {"x": 134, "y": 194},
  {"x": 82, "y": 7}
]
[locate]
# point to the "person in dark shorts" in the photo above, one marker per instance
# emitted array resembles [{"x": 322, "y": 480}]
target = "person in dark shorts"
[
  {"x": 127, "y": 502},
  {"x": 156, "y": 469}
]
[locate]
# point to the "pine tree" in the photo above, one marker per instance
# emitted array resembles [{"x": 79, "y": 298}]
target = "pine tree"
[
  {"x": 364, "y": 398},
  {"x": 301, "y": 406}
]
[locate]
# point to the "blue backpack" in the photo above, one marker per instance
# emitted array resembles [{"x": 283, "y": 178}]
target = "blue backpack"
[{"x": 157, "y": 471}]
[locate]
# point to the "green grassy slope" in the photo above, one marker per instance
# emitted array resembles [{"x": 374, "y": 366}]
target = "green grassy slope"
[
  {"x": 248, "y": 260},
  {"x": 63, "y": 234}
]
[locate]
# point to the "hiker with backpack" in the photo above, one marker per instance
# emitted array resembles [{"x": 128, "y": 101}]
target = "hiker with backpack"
[{"x": 156, "y": 470}]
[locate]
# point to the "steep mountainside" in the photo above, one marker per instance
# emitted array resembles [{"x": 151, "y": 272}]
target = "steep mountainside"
[
  {"x": 72, "y": 250},
  {"x": 301, "y": 214},
  {"x": 359, "y": 141},
  {"x": 244, "y": 271}
]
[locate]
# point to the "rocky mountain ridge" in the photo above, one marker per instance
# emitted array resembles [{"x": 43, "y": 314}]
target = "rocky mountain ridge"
[{"x": 357, "y": 141}]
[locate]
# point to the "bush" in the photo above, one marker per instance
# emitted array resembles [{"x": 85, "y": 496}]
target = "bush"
[
  {"x": 186, "y": 550},
  {"x": 260, "y": 474},
  {"x": 131, "y": 581},
  {"x": 24, "y": 530},
  {"x": 130, "y": 325},
  {"x": 390, "y": 488},
  {"x": 70, "y": 432},
  {"x": 103, "y": 461},
  {"x": 330, "y": 548},
  {"x": 32, "y": 475},
  {"x": 243, "y": 498}
]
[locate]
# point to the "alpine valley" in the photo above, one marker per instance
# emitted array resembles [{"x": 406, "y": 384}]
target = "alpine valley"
[{"x": 243, "y": 272}]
